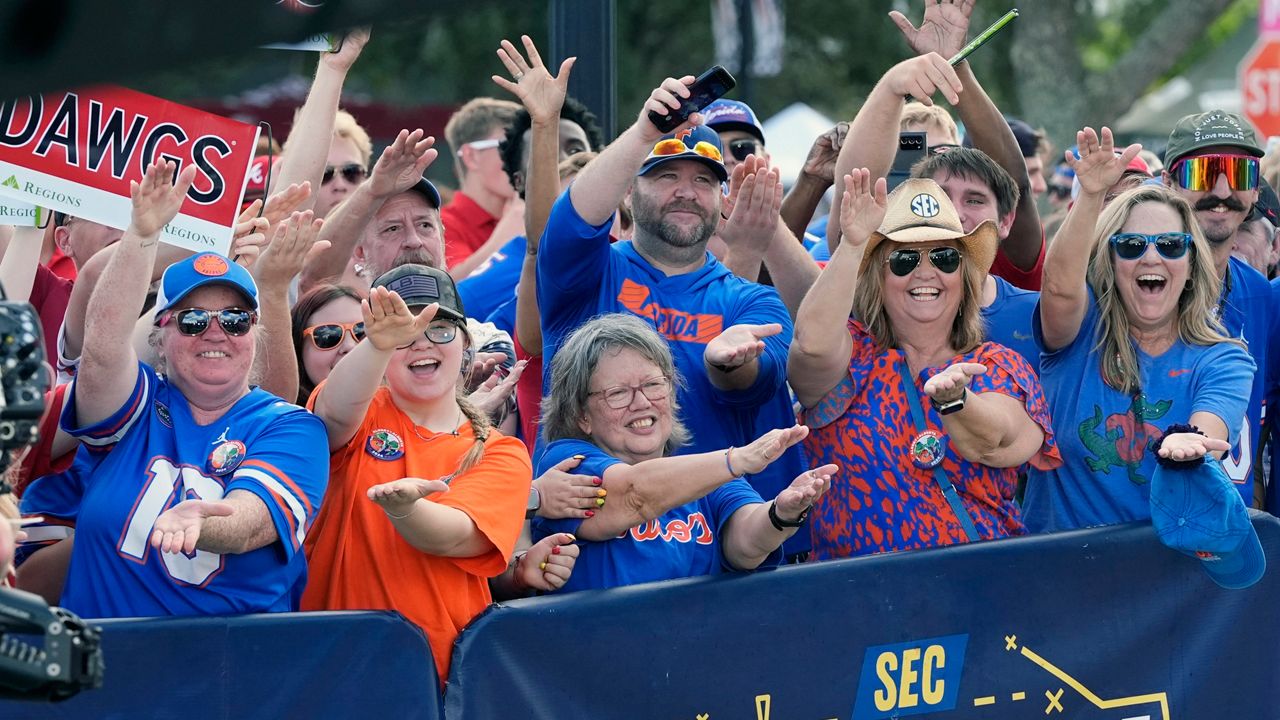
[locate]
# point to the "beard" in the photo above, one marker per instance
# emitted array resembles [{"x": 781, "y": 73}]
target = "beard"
[
  {"x": 1212, "y": 232},
  {"x": 416, "y": 256},
  {"x": 652, "y": 219}
]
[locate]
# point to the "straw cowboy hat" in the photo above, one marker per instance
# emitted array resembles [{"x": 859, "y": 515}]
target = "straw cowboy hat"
[{"x": 920, "y": 212}]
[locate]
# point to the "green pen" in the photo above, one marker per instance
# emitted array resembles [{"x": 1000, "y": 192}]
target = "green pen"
[{"x": 977, "y": 42}]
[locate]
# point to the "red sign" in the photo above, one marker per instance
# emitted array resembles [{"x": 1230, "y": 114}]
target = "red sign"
[
  {"x": 1269, "y": 17},
  {"x": 1260, "y": 83},
  {"x": 77, "y": 152}
]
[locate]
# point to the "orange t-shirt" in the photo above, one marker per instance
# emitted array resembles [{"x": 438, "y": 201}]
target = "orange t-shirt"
[{"x": 357, "y": 560}]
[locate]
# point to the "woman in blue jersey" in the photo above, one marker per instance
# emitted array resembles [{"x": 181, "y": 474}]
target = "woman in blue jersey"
[
  {"x": 667, "y": 517},
  {"x": 1136, "y": 362}
]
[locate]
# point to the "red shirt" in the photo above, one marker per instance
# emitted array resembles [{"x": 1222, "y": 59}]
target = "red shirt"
[
  {"x": 467, "y": 226},
  {"x": 1025, "y": 279},
  {"x": 529, "y": 395},
  {"x": 61, "y": 265},
  {"x": 49, "y": 296}
]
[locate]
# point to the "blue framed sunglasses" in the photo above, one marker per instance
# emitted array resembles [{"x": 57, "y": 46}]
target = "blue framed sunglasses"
[{"x": 1170, "y": 245}]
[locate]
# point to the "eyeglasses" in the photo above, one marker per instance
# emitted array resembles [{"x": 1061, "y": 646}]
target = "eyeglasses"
[
  {"x": 744, "y": 148},
  {"x": 1062, "y": 192},
  {"x": 902, "y": 262},
  {"x": 1200, "y": 173},
  {"x": 439, "y": 333},
  {"x": 353, "y": 173},
  {"x": 622, "y": 396},
  {"x": 1170, "y": 245},
  {"x": 328, "y": 336},
  {"x": 194, "y": 321},
  {"x": 676, "y": 146},
  {"x": 484, "y": 144}
]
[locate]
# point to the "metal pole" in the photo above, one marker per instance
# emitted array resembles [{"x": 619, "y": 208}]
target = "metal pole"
[
  {"x": 585, "y": 29},
  {"x": 747, "y": 50}
]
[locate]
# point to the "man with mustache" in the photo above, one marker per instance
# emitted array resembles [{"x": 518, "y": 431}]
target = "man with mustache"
[
  {"x": 1212, "y": 162},
  {"x": 729, "y": 336}
]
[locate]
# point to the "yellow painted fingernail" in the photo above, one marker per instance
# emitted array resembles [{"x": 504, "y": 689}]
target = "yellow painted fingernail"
[
  {"x": 599, "y": 502},
  {"x": 542, "y": 566},
  {"x": 601, "y": 492}
]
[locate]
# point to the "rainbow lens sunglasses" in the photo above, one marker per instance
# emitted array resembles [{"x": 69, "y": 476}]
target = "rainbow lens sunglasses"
[
  {"x": 235, "y": 322},
  {"x": 902, "y": 262},
  {"x": 676, "y": 146},
  {"x": 1200, "y": 173},
  {"x": 328, "y": 336},
  {"x": 1170, "y": 245}
]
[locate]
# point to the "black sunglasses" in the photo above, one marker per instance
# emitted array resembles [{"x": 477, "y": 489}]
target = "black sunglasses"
[
  {"x": 741, "y": 149},
  {"x": 194, "y": 321},
  {"x": 353, "y": 173},
  {"x": 1170, "y": 245},
  {"x": 902, "y": 262}
]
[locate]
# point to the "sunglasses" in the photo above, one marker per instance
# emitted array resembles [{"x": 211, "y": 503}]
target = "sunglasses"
[
  {"x": 903, "y": 262},
  {"x": 1200, "y": 173},
  {"x": 742, "y": 149},
  {"x": 329, "y": 335},
  {"x": 622, "y": 396},
  {"x": 235, "y": 322},
  {"x": 484, "y": 144},
  {"x": 1170, "y": 245},
  {"x": 353, "y": 173},
  {"x": 676, "y": 146}
]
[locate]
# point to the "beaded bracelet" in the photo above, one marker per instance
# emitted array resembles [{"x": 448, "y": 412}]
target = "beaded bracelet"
[{"x": 728, "y": 462}]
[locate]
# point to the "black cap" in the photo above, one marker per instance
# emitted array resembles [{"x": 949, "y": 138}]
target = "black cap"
[
  {"x": 419, "y": 286},
  {"x": 1209, "y": 129}
]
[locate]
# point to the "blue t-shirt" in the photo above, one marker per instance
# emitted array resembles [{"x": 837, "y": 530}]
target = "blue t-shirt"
[
  {"x": 1104, "y": 434},
  {"x": 580, "y": 276},
  {"x": 1010, "y": 319},
  {"x": 494, "y": 281},
  {"x": 149, "y": 456},
  {"x": 683, "y": 542},
  {"x": 1273, "y": 396},
  {"x": 1246, "y": 313},
  {"x": 503, "y": 317}
]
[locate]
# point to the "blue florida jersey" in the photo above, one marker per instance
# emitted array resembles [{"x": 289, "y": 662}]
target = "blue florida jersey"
[
  {"x": 1246, "y": 313},
  {"x": 149, "y": 456}
]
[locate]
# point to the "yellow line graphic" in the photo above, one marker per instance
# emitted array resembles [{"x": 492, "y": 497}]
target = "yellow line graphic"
[
  {"x": 1019, "y": 696},
  {"x": 1089, "y": 695},
  {"x": 988, "y": 700}
]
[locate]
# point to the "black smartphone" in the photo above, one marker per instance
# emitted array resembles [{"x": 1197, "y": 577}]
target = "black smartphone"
[
  {"x": 709, "y": 86},
  {"x": 912, "y": 148}
]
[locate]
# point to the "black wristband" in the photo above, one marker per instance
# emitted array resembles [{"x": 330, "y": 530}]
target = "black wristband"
[
  {"x": 1170, "y": 462},
  {"x": 782, "y": 525}
]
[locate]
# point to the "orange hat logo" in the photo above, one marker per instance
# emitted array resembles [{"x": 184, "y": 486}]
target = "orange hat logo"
[{"x": 210, "y": 265}]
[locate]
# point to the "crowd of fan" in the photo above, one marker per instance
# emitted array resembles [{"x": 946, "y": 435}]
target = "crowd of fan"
[{"x": 593, "y": 366}]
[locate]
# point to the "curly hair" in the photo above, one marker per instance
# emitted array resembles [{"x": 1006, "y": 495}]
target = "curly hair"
[{"x": 512, "y": 147}]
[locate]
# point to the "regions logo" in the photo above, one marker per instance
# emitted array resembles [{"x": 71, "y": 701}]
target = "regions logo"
[
  {"x": 226, "y": 457},
  {"x": 384, "y": 445},
  {"x": 12, "y": 182},
  {"x": 910, "y": 678}
]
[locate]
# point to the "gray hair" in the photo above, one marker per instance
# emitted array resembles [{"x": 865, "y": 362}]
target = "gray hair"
[{"x": 576, "y": 362}]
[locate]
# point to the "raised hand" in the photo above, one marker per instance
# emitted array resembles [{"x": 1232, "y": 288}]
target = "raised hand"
[
  {"x": 944, "y": 29},
  {"x": 755, "y": 198},
  {"x": 569, "y": 495},
  {"x": 250, "y": 236},
  {"x": 739, "y": 344},
  {"x": 157, "y": 199},
  {"x": 948, "y": 385},
  {"x": 1189, "y": 446},
  {"x": 388, "y": 322},
  {"x": 921, "y": 77},
  {"x": 549, "y": 563},
  {"x": 399, "y": 497},
  {"x": 402, "y": 163},
  {"x": 862, "y": 207},
  {"x": 346, "y": 56},
  {"x": 1099, "y": 166},
  {"x": 804, "y": 491},
  {"x": 664, "y": 99},
  {"x": 820, "y": 164},
  {"x": 540, "y": 93},
  {"x": 292, "y": 245},
  {"x": 753, "y": 458},
  {"x": 177, "y": 530},
  {"x": 494, "y": 391},
  {"x": 282, "y": 204}
]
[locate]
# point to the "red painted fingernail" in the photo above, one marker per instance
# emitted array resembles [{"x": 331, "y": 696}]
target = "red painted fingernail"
[
  {"x": 555, "y": 550},
  {"x": 591, "y": 513},
  {"x": 596, "y": 481}
]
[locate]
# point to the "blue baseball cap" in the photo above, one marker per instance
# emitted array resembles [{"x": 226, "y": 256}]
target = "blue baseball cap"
[
  {"x": 426, "y": 189},
  {"x": 724, "y": 115},
  {"x": 692, "y": 138},
  {"x": 1198, "y": 512},
  {"x": 197, "y": 271}
]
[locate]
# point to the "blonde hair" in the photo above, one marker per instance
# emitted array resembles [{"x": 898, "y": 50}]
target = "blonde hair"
[
  {"x": 345, "y": 126},
  {"x": 919, "y": 115},
  {"x": 473, "y": 121},
  {"x": 1197, "y": 304},
  {"x": 967, "y": 330}
]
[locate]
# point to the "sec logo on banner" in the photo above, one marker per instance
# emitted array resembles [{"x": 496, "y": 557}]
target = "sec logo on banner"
[{"x": 911, "y": 678}]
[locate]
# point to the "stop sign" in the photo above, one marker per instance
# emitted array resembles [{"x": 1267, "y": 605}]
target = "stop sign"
[{"x": 1260, "y": 83}]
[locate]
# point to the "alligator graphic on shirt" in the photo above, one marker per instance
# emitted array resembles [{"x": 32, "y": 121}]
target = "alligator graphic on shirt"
[{"x": 1118, "y": 440}]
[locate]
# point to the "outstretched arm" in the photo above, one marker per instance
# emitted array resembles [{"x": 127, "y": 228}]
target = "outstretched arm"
[{"x": 750, "y": 535}]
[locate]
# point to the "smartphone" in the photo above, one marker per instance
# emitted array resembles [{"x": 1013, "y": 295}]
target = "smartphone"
[
  {"x": 709, "y": 86},
  {"x": 912, "y": 148}
]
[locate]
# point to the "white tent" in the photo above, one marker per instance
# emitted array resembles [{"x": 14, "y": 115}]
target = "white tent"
[{"x": 789, "y": 135}]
